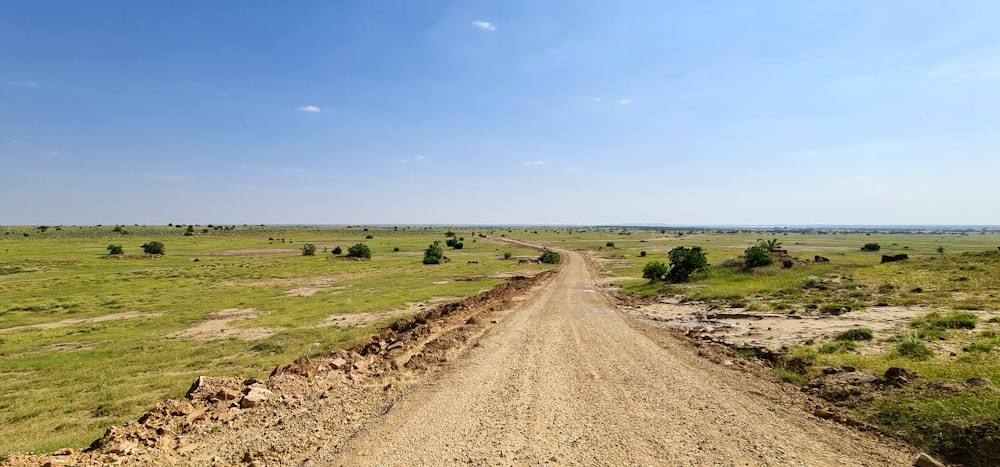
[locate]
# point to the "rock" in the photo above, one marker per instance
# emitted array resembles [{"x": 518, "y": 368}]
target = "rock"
[
  {"x": 123, "y": 448},
  {"x": 925, "y": 460},
  {"x": 338, "y": 363},
  {"x": 830, "y": 370},
  {"x": 226, "y": 394},
  {"x": 821, "y": 259},
  {"x": 849, "y": 368},
  {"x": 255, "y": 397},
  {"x": 825, "y": 414},
  {"x": 787, "y": 264},
  {"x": 978, "y": 382},
  {"x": 64, "y": 452},
  {"x": 898, "y": 375},
  {"x": 195, "y": 385}
]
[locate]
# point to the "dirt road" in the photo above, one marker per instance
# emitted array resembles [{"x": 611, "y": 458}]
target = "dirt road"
[{"x": 565, "y": 380}]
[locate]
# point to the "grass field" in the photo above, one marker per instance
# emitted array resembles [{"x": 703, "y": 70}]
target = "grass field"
[
  {"x": 953, "y": 276},
  {"x": 87, "y": 341}
]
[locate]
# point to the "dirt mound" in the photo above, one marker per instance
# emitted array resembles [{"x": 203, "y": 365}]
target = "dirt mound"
[{"x": 312, "y": 402}]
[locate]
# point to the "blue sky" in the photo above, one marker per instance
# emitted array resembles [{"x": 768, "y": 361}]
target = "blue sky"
[{"x": 533, "y": 112}]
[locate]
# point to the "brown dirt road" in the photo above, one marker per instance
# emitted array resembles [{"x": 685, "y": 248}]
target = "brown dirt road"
[{"x": 566, "y": 380}]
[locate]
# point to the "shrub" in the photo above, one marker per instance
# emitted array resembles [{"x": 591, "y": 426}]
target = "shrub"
[
  {"x": 654, "y": 270},
  {"x": 684, "y": 262},
  {"x": 610, "y": 244},
  {"x": 952, "y": 320},
  {"x": 190, "y": 231},
  {"x": 449, "y": 234},
  {"x": 337, "y": 250},
  {"x": 914, "y": 348},
  {"x": 308, "y": 249},
  {"x": 115, "y": 250},
  {"x": 871, "y": 247},
  {"x": 549, "y": 257},
  {"x": 359, "y": 250},
  {"x": 369, "y": 236},
  {"x": 153, "y": 248},
  {"x": 757, "y": 256},
  {"x": 507, "y": 255},
  {"x": 642, "y": 254},
  {"x": 458, "y": 245},
  {"x": 433, "y": 253},
  {"x": 395, "y": 249},
  {"x": 450, "y": 243},
  {"x": 838, "y": 346},
  {"x": 856, "y": 334}
]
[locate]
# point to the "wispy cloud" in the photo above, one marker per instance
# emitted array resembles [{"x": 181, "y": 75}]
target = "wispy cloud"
[
  {"x": 531, "y": 163},
  {"x": 967, "y": 68},
  {"x": 25, "y": 84},
  {"x": 623, "y": 101},
  {"x": 484, "y": 25},
  {"x": 309, "y": 108},
  {"x": 418, "y": 158},
  {"x": 168, "y": 177},
  {"x": 857, "y": 80}
]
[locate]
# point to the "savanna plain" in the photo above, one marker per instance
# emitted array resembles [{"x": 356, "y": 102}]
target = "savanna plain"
[{"x": 908, "y": 349}]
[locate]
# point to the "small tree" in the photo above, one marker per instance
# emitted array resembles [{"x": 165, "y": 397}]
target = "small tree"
[
  {"x": 337, "y": 250},
  {"x": 308, "y": 249},
  {"x": 449, "y": 234},
  {"x": 642, "y": 254},
  {"x": 359, "y": 250},
  {"x": 433, "y": 253},
  {"x": 769, "y": 245},
  {"x": 450, "y": 242},
  {"x": 549, "y": 257},
  {"x": 757, "y": 256},
  {"x": 654, "y": 271},
  {"x": 684, "y": 262},
  {"x": 507, "y": 255},
  {"x": 458, "y": 245},
  {"x": 115, "y": 250},
  {"x": 871, "y": 247},
  {"x": 610, "y": 244},
  {"x": 153, "y": 248},
  {"x": 940, "y": 250},
  {"x": 190, "y": 231}
]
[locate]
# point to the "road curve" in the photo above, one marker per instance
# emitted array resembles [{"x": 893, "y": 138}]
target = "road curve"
[{"x": 566, "y": 380}]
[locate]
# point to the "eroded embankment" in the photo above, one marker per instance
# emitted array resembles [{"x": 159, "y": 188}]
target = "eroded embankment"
[{"x": 309, "y": 403}]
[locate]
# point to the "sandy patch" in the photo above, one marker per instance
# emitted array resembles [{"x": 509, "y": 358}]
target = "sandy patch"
[
  {"x": 351, "y": 320},
  {"x": 75, "y": 321},
  {"x": 773, "y": 330},
  {"x": 220, "y": 325}
]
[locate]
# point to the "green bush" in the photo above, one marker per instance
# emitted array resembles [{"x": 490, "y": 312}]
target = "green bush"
[
  {"x": 856, "y": 334},
  {"x": 153, "y": 248},
  {"x": 337, "y": 250},
  {"x": 549, "y": 257},
  {"x": 458, "y": 245},
  {"x": 684, "y": 262},
  {"x": 433, "y": 253},
  {"x": 507, "y": 255},
  {"x": 359, "y": 250},
  {"x": 871, "y": 247},
  {"x": 115, "y": 250},
  {"x": 951, "y": 320},
  {"x": 610, "y": 244},
  {"x": 757, "y": 256},
  {"x": 655, "y": 270},
  {"x": 642, "y": 254},
  {"x": 913, "y": 347},
  {"x": 838, "y": 346},
  {"x": 308, "y": 249},
  {"x": 395, "y": 249},
  {"x": 369, "y": 237}
]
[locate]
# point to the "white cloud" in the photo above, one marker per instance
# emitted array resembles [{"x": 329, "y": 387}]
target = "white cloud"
[
  {"x": 26, "y": 84},
  {"x": 624, "y": 101},
  {"x": 530, "y": 163},
  {"x": 857, "y": 80},
  {"x": 967, "y": 68},
  {"x": 417, "y": 158},
  {"x": 484, "y": 25},
  {"x": 309, "y": 108}
]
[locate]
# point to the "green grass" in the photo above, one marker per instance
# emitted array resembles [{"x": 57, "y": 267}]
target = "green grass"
[{"x": 63, "y": 386}]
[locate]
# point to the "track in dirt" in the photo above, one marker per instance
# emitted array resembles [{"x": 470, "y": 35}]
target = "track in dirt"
[{"x": 566, "y": 379}]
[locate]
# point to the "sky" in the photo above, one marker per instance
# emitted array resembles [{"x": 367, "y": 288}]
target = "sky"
[{"x": 500, "y": 112}]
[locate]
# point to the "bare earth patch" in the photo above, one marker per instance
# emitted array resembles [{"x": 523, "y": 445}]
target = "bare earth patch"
[
  {"x": 219, "y": 325},
  {"x": 75, "y": 321},
  {"x": 351, "y": 320},
  {"x": 738, "y": 327}
]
